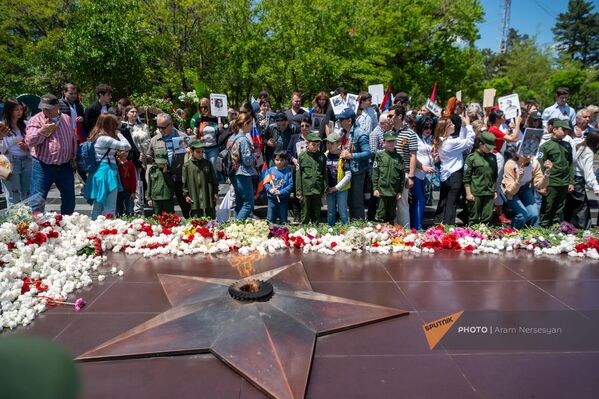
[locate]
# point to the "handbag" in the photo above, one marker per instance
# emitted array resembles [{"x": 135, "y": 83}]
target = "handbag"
[{"x": 5, "y": 167}]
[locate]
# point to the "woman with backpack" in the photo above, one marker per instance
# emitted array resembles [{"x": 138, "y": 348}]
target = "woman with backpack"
[
  {"x": 104, "y": 184},
  {"x": 242, "y": 165}
]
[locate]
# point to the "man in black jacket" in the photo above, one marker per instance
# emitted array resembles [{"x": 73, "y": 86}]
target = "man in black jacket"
[
  {"x": 104, "y": 94},
  {"x": 71, "y": 106}
]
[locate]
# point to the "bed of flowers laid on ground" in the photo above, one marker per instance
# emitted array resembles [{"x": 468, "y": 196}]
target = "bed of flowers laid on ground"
[{"x": 44, "y": 258}]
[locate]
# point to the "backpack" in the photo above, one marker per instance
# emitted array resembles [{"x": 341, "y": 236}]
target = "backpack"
[
  {"x": 228, "y": 159},
  {"x": 86, "y": 157}
]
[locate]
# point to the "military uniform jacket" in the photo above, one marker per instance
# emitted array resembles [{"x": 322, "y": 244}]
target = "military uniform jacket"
[
  {"x": 388, "y": 173},
  {"x": 559, "y": 152},
  {"x": 310, "y": 174},
  {"x": 480, "y": 173},
  {"x": 199, "y": 182},
  {"x": 160, "y": 184}
]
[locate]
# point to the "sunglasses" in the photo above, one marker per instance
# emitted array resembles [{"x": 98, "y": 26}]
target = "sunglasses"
[
  {"x": 305, "y": 126},
  {"x": 163, "y": 127},
  {"x": 203, "y": 107}
]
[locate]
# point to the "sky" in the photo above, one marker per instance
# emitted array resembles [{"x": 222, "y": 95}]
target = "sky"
[{"x": 527, "y": 16}]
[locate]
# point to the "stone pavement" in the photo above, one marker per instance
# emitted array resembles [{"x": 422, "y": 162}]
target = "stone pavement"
[{"x": 388, "y": 359}]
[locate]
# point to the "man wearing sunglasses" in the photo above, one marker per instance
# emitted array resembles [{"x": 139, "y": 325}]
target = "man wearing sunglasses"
[{"x": 164, "y": 142}]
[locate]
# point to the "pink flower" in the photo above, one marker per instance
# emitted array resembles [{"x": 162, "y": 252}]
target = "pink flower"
[{"x": 80, "y": 304}]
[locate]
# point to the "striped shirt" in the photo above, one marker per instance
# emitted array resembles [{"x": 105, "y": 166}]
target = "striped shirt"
[
  {"x": 407, "y": 142},
  {"x": 57, "y": 149}
]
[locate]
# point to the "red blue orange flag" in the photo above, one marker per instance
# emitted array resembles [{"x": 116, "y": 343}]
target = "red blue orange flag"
[{"x": 265, "y": 178}]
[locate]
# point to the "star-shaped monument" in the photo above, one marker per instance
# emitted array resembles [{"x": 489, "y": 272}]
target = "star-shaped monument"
[{"x": 269, "y": 342}]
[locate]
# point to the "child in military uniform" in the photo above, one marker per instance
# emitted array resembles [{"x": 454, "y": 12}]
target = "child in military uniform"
[
  {"x": 480, "y": 178},
  {"x": 160, "y": 184},
  {"x": 311, "y": 179},
  {"x": 387, "y": 179},
  {"x": 561, "y": 178},
  {"x": 200, "y": 187}
]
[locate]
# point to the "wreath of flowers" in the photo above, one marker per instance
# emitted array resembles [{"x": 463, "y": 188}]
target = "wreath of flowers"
[{"x": 44, "y": 258}]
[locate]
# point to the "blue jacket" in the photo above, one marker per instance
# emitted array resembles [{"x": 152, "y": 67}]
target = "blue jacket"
[
  {"x": 247, "y": 160},
  {"x": 360, "y": 151},
  {"x": 282, "y": 180}
]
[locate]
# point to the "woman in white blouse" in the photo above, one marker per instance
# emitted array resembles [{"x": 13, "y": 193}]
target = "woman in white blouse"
[
  {"x": 14, "y": 147},
  {"x": 105, "y": 182},
  {"x": 453, "y": 138},
  {"x": 576, "y": 210}
]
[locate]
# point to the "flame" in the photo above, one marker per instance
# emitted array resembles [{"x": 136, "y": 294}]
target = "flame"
[{"x": 245, "y": 263}]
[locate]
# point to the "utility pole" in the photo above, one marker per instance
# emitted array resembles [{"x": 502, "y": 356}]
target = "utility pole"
[{"x": 505, "y": 25}]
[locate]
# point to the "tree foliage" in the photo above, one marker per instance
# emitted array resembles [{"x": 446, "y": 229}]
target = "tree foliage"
[
  {"x": 157, "y": 48},
  {"x": 577, "y": 32}
]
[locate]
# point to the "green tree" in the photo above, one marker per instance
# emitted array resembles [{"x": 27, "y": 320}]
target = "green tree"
[
  {"x": 528, "y": 67},
  {"x": 102, "y": 43},
  {"x": 577, "y": 32}
]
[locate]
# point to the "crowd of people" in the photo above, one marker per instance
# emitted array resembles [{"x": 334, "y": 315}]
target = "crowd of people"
[{"x": 364, "y": 161}]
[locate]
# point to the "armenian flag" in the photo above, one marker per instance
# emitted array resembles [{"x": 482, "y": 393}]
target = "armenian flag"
[{"x": 265, "y": 178}]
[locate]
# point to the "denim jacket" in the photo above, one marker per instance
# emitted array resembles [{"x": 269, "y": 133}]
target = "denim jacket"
[
  {"x": 247, "y": 164},
  {"x": 360, "y": 150}
]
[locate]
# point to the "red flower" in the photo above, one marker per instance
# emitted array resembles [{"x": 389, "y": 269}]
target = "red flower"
[
  {"x": 333, "y": 244},
  {"x": 221, "y": 234},
  {"x": 38, "y": 238},
  {"x": 11, "y": 246},
  {"x": 375, "y": 244},
  {"x": 27, "y": 282},
  {"x": 188, "y": 239},
  {"x": 109, "y": 216}
]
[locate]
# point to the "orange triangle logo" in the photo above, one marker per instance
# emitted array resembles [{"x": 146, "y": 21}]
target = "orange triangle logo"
[{"x": 435, "y": 330}]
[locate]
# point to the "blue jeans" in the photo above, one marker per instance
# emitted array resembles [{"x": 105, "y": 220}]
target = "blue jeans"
[
  {"x": 337, "y": 202},
  {"x": 524, "y": 207},
  {"x": 16, "y": 188},
  {"x": 418, "y": 203},
  {"x": 42, "y": 178},
  {"x": 108, "y": 208},
  {"x": 244, "y": 196},
  {"x": 277, "y": 210}
]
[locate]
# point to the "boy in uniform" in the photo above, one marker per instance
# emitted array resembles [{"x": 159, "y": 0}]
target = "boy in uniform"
[
  {"x": 480, "y": 179},
  {"x": 200, "y": 187},
  {"x": 160, "y": 184},
  {"x": 388, "y": 178},
  {"x": 561, "y": 178},
  {"x": 311, "y": 179}
]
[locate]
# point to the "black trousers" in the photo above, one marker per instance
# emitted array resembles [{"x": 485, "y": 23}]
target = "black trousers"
[
  {"x": 576, "y": 210},
  {"x": 185, "y": 207},
  {"x": 451, "y": 190},
  {"x": 356, "y": 196}
]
